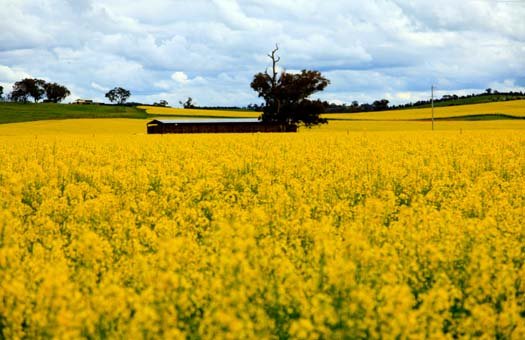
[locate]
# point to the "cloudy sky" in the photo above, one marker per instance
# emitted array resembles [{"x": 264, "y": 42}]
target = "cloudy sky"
[{"x": 210, "y": 49}]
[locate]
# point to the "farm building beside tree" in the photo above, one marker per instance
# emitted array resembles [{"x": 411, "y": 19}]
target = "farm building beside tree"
[{"x": 246, "y": 125}]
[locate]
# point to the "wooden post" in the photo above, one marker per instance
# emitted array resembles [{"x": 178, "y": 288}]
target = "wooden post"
[{"x": 432, "y": 100}]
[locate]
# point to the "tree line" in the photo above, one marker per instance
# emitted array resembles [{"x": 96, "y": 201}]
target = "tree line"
[
  {"x": 37, "y": 89},
  {"x": 189, "y": 103},
  {"x": 453, "y": 99}
]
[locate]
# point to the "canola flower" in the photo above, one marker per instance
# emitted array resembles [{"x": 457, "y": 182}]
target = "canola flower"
[
  {"x": 106, "y": 126},
  {"x": 361, "y": 235},
  {"x": 119, "y": 127}
]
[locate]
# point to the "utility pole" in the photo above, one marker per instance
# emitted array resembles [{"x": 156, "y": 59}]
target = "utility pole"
[{"x": 432, "y": 100}]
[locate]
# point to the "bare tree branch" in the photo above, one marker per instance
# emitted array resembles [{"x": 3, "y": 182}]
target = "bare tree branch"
[{"x": 275, "y": 61}]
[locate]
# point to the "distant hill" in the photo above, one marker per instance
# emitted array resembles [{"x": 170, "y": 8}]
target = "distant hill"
[
  {"x": 446, "y": 100},
  {"x": 502, "y": 110}
]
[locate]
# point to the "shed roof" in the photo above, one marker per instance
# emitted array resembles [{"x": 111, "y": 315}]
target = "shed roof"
[{"x": 206, "y": 121}]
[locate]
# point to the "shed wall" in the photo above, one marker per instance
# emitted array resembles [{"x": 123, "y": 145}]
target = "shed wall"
[{"x": 219, "y": 128}]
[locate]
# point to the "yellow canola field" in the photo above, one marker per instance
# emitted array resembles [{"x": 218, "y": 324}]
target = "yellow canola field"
[
  {"x": 138, "y": 127},
  {"x": 360, "y": 235},
  {"x": 104, "y": 126},
  {"x": 168, "y": 111},
  {"x": 514, "y": 108},
  {"x": 335, "y": 126}
]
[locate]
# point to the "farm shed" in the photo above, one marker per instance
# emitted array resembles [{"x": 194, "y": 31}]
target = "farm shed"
[
  {"x": 83, "y": 102},
  {"x": 246, "y": 125}
]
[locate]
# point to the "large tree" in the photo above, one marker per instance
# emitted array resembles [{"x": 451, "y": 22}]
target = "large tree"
[
  {"x": 119, "y": 95},
  {"x": 28, "y": 87},
  {"x": 286, "y": 95},
  {"x": 1, "y": 92},
  {"x": 56, "y": 93}
]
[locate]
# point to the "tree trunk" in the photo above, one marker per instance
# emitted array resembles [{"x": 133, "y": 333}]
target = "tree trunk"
[{"x": 275, "y": 61}]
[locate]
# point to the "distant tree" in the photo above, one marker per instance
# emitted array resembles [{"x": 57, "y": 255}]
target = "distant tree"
[
  {"x": 488, "y": 91},
  {"x": 118, "y": 95},
  {"x": 286, "y": 94},
  {"x": 161, "y": 103},
  {"x": 28, "y": 87},
  {"x": 255, "y": 107},
  {"x": 380, "y": 105},
  {"x": 56, "y": 93},
  {"x": 1, "y": 92},
  {"x": 188, "y": 104},
  {"x": 367, "y": 107}
]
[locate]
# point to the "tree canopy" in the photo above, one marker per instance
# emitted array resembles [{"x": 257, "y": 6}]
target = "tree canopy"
[
  {"x": 118, "y": 95},
  {"x": 55, "y": 92},
  {"x": 28, "y": 87},
  {"x": 37, "y": 89},
  {"x": 380, "y": 105},
  {"x": 161, "y": 103},
  {"x": 286, "y": 95},
  {"x": 188, "y": 104}
]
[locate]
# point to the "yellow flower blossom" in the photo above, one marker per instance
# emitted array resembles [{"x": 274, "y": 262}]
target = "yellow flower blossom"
[{"x": 321, "y": 234}]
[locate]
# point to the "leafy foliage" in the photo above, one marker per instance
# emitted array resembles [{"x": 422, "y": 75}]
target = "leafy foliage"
[
  {"x": 251, "y": 237},
  {"x": 118, "y": 95},
  {"x": 161, "y": 103},
  {"x": 286, "y": 95},
  {"x": 26, "y": 88},
  {"x": 56, "y": 93},
  {"x": 188, "y": 103},
  {"x": 37, "y": 89}
]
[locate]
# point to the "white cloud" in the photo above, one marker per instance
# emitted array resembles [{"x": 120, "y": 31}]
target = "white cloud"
[
  {"x": 209, "y": 50},
  {"x": 162, "y": 84},
  {"x": 8, "y": 74},
  {"x": 180, "y": 77},
  {"x": 405, "y": 96},
  {"x": 506, "y": 85},
  {"x": 99, "y": 87}
]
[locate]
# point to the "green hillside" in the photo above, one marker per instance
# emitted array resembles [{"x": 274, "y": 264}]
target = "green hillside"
[{"x": 16, "y": 113}]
